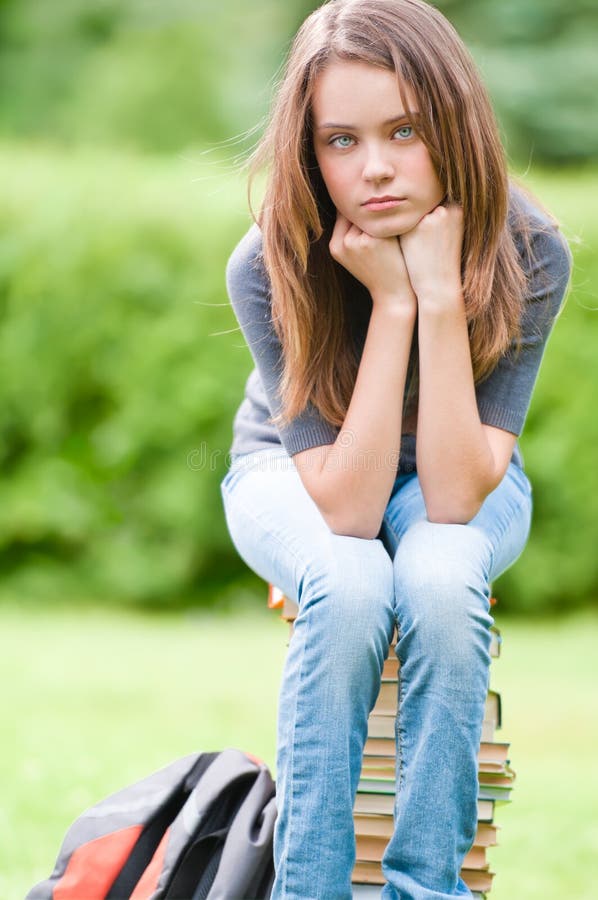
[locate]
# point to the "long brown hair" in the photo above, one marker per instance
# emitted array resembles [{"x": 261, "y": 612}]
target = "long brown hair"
[{"x": 456, "y": 123}]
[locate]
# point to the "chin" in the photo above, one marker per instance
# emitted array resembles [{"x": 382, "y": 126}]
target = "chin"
[{"x": 386, "y": 229}]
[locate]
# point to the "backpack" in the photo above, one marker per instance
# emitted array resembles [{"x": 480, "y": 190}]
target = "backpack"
[{"x": 198, "y": 829}]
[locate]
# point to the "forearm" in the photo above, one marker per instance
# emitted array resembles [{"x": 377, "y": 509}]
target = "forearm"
[
  {"x": 455, "y": 464},
  {"x": 359, "y": 469}
]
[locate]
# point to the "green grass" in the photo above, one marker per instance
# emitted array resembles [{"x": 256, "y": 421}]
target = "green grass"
[
  {"x": 547, "y": 677},
  {"x": 94, "y": 700}
]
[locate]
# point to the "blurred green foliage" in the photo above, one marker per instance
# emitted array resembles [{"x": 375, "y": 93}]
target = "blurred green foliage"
[
  {"x": 145, "y": 74},
  {"x": 124, "y": 365},
  {"x": 165, "y": 76},
  {"x": 116, "y": 393},
  {"x": 539, "y": 60},
  {"x": 559, "y": 567}
]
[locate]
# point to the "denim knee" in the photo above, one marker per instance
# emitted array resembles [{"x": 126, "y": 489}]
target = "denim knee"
[
  {"x": 442, "y": 590},
  {"x": 349, "y": 587}
]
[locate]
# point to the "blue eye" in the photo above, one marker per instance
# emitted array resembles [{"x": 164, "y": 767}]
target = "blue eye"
[
  {"x": 405, "y": 131},
  {"x": 347, "y": 141}
]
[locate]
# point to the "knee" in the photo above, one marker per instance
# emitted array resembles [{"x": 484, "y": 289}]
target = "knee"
[
  {"x": 351, "y": 581},
  {"x": 441, "y": 583}
]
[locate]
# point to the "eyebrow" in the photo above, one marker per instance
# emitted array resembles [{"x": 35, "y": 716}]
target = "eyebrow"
[{"x": 390, "y": 121}]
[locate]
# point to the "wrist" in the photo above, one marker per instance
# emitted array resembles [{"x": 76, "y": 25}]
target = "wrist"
[
  {"x": 442, "y": 300},
  {"x": 395, "y": 305}
]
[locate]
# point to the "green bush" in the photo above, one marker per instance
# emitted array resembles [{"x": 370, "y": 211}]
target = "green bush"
[
  {"x": 123, "y": 367},
  {"x": 149, "y": 76},
  {"x": 117, "y": 384},
  {"x": 538, "y": 60},
  {"x": 559, "y": 567}
]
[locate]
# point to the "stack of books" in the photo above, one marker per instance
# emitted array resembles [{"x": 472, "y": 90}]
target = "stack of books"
[{"x": 374, "y": 803}]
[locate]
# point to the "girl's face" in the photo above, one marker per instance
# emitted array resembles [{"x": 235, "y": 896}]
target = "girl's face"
[{"x": 378, "y": 172}]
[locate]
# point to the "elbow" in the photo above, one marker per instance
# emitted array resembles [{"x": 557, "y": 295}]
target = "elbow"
[
  {"x": 461, "y": 507},
  {"x": 349, "y": 518},
  {"x": 453, "y": 515},
  {"x": 447, "y": 519},
  {"x": 346, "y": 527}
]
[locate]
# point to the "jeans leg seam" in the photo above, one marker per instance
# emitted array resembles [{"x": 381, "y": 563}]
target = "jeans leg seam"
[
  {"x": 395, "y": 537},
  {"x": 398, "y": 725},
  {"x": 390, "y": 528},
  {"x": 290, "y": 777}
]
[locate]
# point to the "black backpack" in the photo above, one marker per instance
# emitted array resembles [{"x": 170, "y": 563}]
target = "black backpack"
[{"x": 199, "y": 829}]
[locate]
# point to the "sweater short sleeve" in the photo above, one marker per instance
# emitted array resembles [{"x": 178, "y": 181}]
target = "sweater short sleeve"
[
  {"x": 504, "y": 396},
  {"x": 248, "y": 288}
]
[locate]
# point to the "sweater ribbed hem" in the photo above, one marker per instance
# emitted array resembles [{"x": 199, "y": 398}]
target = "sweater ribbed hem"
[
  {"x": 309, "y": 436},
  {"x": 500, "y": 417}
]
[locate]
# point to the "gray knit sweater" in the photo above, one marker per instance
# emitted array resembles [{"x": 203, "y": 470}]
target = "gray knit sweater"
[{"x": 503, "y": 397}]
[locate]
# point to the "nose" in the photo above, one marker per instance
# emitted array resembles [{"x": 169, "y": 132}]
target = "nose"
[{"x": 377, "y": 165}]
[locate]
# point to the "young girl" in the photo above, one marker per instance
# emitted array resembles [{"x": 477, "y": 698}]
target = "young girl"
[{"x": 396, "y": 293}]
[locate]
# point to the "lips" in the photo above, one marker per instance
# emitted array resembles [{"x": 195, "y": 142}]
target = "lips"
[
  {"x": 379, "y": 204},
  {"x": 384, "y": 199}
]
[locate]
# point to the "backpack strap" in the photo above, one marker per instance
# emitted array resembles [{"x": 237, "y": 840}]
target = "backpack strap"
[
  {"x": 99, "y": 843},
  {"x": 221, "y": 839},
  {"x": 246, "y": 864},
  {"x": 152, "y": 838}
]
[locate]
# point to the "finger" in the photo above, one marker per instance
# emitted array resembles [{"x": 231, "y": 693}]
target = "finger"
[
  {"x": 342, "y": 225},
  {"x": 353, "y": 234},
  {"x": 337, "y": 238}
]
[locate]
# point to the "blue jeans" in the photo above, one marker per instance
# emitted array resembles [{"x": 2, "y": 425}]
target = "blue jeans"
[{"x": 433, "y": 581}]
